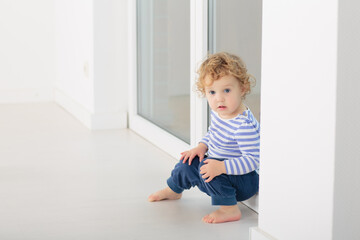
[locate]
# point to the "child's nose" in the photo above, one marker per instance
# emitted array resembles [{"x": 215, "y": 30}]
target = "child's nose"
[{"x": 220, "y": 97}]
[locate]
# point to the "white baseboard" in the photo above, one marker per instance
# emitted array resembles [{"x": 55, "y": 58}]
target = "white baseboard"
[
  {"x": 94, "y": 121},
  {"x": 74, "y": 108},
  {"x": 25, "y": 95},
  {"x": 257, "y": 234}
]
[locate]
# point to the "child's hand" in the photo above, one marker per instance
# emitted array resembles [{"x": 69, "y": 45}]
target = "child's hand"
[
  {"x": 199, "y": 151},
  {"x": 212, "y": 168}
]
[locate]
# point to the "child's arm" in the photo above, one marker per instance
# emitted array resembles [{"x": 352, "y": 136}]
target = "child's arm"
[
  {"x": 199, "y": 151},
  {"x": 248, "y": 140}
]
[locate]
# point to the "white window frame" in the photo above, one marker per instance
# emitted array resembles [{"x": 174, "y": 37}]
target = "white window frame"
[{"x": 198, "y": 106}]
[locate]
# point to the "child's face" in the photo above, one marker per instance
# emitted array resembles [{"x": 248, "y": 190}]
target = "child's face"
[{"x": 225, "y": 96}]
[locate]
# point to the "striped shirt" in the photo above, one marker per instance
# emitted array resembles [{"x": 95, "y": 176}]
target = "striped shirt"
[{"x": 237, "y": 140}]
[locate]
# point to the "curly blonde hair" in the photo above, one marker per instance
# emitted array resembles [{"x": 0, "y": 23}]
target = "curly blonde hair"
[{"x": 222, "y": 64}]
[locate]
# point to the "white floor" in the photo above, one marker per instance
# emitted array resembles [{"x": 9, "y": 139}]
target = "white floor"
[{"x": 59, "y": 180}]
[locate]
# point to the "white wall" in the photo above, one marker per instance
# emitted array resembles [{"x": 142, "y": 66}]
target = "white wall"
[
  {"x": 26, "y": 51},
  {"x": 91, "y": 47},
  {"x": 298, "y": 118},
  {"x": 74, "y": 51},
  {"x": 310, "y": 182},
  {"x": 110, "y": 56}
]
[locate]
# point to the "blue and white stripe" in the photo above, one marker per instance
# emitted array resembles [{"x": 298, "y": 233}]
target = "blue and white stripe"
[{"x": 237, "y": 140}]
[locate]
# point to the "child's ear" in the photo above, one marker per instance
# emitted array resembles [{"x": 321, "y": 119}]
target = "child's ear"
[{"x": 243, "y": 91}]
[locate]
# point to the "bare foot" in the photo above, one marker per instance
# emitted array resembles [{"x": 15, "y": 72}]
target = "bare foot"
[
  {"x": 223, "y": 214},
  {"x": 164, "y": 194}
]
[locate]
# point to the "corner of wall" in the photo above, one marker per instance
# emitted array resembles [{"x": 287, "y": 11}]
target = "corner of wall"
[
  {"x": 93, "y": 121},
  {"x": 73, "y": 107}
]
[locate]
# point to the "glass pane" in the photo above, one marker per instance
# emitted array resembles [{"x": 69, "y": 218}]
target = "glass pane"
[
  {"x": 235, "y": 27},
  {"x": 164, "y": 64}
]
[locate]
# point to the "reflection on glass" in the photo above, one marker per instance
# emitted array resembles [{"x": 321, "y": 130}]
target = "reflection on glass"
[
  {"x": 163, "y": 46},
  {"x": 235, "y": 27}
]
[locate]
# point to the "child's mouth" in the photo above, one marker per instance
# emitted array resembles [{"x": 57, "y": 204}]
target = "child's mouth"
[{"x": 221, "y": 107}]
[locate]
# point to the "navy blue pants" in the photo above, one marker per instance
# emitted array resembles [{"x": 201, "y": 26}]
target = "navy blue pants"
[{"x": 224, "y": 189}]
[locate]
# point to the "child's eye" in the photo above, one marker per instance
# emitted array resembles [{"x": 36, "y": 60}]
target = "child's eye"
[
  {"x": 227, "y": 90},
  {"x": 211, "y": 92}
]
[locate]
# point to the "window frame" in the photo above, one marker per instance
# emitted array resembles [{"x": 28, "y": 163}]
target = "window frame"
[{"x": 198, "y": 106}]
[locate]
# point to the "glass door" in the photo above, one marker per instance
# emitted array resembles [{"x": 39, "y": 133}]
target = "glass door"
[
  {"x": 235, "y": 27},
  {"x": 169, "y": 41},
  {"x": 163, "y": 59}
]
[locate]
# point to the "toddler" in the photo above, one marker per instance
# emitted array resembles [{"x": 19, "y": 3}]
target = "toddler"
[{"x": 224, "y": 163}]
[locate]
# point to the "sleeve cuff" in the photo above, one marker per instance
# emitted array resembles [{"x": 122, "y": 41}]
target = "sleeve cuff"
[
  {"x": 204, "y": 142},
  {"x": 227, "y": 166}
]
